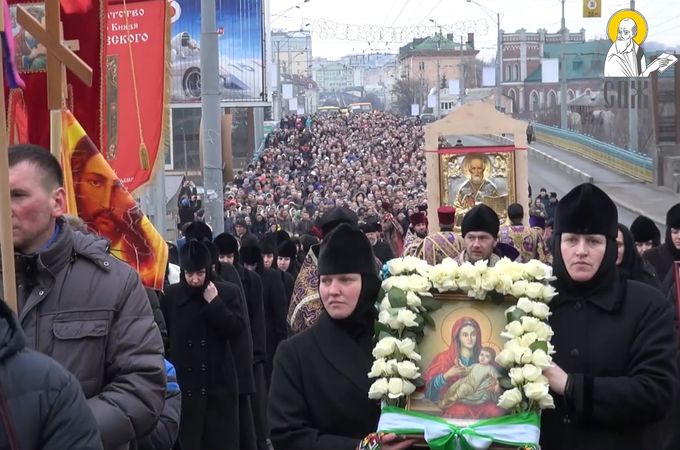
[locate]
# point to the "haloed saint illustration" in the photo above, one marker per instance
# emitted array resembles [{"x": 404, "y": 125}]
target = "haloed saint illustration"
[{"x": 462, "y": 378}]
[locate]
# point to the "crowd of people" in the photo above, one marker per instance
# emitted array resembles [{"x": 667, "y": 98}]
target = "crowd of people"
[{"x": 262, "y": 336}]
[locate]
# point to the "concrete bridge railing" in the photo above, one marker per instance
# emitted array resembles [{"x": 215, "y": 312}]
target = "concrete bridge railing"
[{"x": 633, "y": 164}]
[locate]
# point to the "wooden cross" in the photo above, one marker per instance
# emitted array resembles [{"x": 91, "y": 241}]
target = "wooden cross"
[
  {"x": 9, "y": 287},
  {"x": 58, "y": 52}
]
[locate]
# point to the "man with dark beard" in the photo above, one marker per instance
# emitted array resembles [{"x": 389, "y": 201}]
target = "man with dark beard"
[
  {"x": 381, "y": 250},
  {"x": 416, "y": 233},
  {"x": 203, "y": 317}
]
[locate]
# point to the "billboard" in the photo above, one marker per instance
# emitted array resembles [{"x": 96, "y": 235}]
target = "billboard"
[{"x": 240, "y": 36}]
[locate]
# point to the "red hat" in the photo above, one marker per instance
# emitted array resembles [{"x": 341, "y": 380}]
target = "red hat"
[
  {"x": 447, "y": 216},
  {"x": 418, "y": 218}
]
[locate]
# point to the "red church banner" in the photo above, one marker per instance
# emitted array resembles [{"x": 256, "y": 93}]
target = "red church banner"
[
  {"x": 83, "y": 23},
  {"x": 137, "y": 45}
]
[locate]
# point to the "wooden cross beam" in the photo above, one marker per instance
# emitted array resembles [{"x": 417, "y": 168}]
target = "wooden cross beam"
[{"x": 58, "y": 53}]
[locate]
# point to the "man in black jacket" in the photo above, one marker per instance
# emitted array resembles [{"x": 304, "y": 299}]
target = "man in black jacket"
[
  {"x": 41, "y": 403},
  {"x": 381, "y": 250},
  {"x": 615, "y": 366}
]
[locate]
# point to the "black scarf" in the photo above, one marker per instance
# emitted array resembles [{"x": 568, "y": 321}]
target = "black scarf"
[
  {"x": 632, "y": 265},
  {"x": 672, "y": 250},
  {"x": 605, "y": 277},
  {"x": 360, "y": 324}
]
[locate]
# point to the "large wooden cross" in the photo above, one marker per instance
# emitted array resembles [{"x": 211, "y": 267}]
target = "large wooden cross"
[{"x": 59, "y": 57}]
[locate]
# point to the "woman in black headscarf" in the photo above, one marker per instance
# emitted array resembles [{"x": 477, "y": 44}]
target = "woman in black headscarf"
[
  {"x": 319, "y": 392},
  {"x": 630, "y": 264},
  {"x": 615, "y": 364}
]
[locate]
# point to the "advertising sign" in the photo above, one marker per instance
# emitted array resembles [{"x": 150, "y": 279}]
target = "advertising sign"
[{"x": 241, "y": 68}]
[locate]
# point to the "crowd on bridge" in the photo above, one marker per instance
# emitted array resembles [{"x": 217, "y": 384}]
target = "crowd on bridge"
[{"x": 262, "y": 336}]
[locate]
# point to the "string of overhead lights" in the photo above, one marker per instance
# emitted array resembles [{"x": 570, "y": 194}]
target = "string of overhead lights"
[{"x": 328, "y": 29}]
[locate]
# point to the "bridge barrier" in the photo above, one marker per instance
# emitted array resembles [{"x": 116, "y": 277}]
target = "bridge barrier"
[
  {"x": 561, "y": 165},
  {"x": 635, "y": 165}
]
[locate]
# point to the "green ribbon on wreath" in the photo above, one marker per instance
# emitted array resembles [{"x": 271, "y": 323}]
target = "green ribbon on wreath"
[{"x": 517, "y": 430}]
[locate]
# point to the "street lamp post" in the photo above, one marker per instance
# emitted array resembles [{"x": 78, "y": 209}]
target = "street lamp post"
[
  {"x": 563, "y": 75},
  {"x": 438, "y": 83},
  {"x": 497, "y": 19}
]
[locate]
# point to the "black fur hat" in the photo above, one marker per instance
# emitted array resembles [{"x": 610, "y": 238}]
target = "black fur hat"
[
  {"x": 268, "y": 245},
  {"x": 194, "y": 256},
  {"x": 226, "y": 244},
  {"x": 673, "y": 217},
  {"x": 281, "y": 235},
  {"x": 336, "y": 216},
  {"x": 370, "y": 226},
  {"x": 198, "y": 230},
  {"x": 214, "y": 252},
  {"x": 644, "y": 229},
  {"x": 287, "y": 249},
  {"x": 251, "y": 254},
  {"x": 587, "y": 209},
  {"x": 481, "y": 218},
  {"x": 346, "y": 250}
]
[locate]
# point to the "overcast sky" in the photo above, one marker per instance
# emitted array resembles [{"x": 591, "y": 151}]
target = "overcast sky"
[{"x": 663, "y": 18}]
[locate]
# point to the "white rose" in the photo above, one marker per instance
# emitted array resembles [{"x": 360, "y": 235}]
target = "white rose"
[
  {"x": 541, "y": 359},
  {"x": 536, "y": 269},
  {"x": 548, "y": 293},
  {"x": 378, "y": 389},
  {"x": 530, "y": 323},
  {"x": 379, "y": 368},
  {"x": 384, "y": 317},
  {"x": 513, "y": 330},
  {"x": 396, "y": 266},
  {"x": 525, "y": 304},
  {"x": 385, "y": 304},
  {"x": 408, "y": 370},
  {"x": 546, "y": 402},
  {"x": 527, "y": 339},
  {"x": 407, "y": 348},
  {"x": 398, "y": 387},
  {"x": 407, "y": 318},
  {"x": 544, "y": 332},
  {"x": 510, "y": 398},
  {"x": 413, "y": 300},
  {"x": 504, "y": 285},
  {"x": 534, "y": 290},
  {"x": 418, "y": 283},
  {"x": 536, "y": 390},
  {"x": 385, "y": 347},
  {"x": 551, "y": 349},
  {"x": 531, "y": 372},
  {"x": 519, "y": 288},
  {"x": 513, "y": 344},
  {"x": 540, "y": 310},
  {"x": 392, "y": 366},
  {"x": 506, "y": 357},
  {"x": 523, "y": 356},
  {"x": 516, "y": 376},
  {"x": 489, "y": 280}
]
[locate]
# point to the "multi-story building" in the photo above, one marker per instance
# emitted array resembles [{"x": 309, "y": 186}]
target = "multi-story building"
[
  {"x": 293, "y": 51},
  {"x": 440, "y": 57}
]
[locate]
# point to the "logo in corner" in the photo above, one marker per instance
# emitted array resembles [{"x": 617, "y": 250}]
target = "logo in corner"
[{"x": 627, "y": 29}]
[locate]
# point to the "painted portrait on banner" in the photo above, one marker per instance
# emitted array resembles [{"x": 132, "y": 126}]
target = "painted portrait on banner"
[
  {"x": 472, "y": 178},
  {"x": 31, "y": 55},
  {"x": 462, "y": 379}
]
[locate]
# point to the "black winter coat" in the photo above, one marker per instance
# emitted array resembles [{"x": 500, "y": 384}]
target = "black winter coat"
[
  {"x": 200, "y": 335},
  {"x": 319, "y": 393},
  {"x": 43, "y": 403},
  {"x": 661, "y": 258},
  {"x": 383, "y": 252},
  {"x": 619, "y": 348},
  {"x": 275, "y": 310}
]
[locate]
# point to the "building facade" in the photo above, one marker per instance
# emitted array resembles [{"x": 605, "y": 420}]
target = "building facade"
[{"x": 293, "y": 51}]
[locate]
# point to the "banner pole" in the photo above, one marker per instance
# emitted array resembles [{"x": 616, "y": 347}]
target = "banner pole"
[{"x": 9, "y": 286}]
